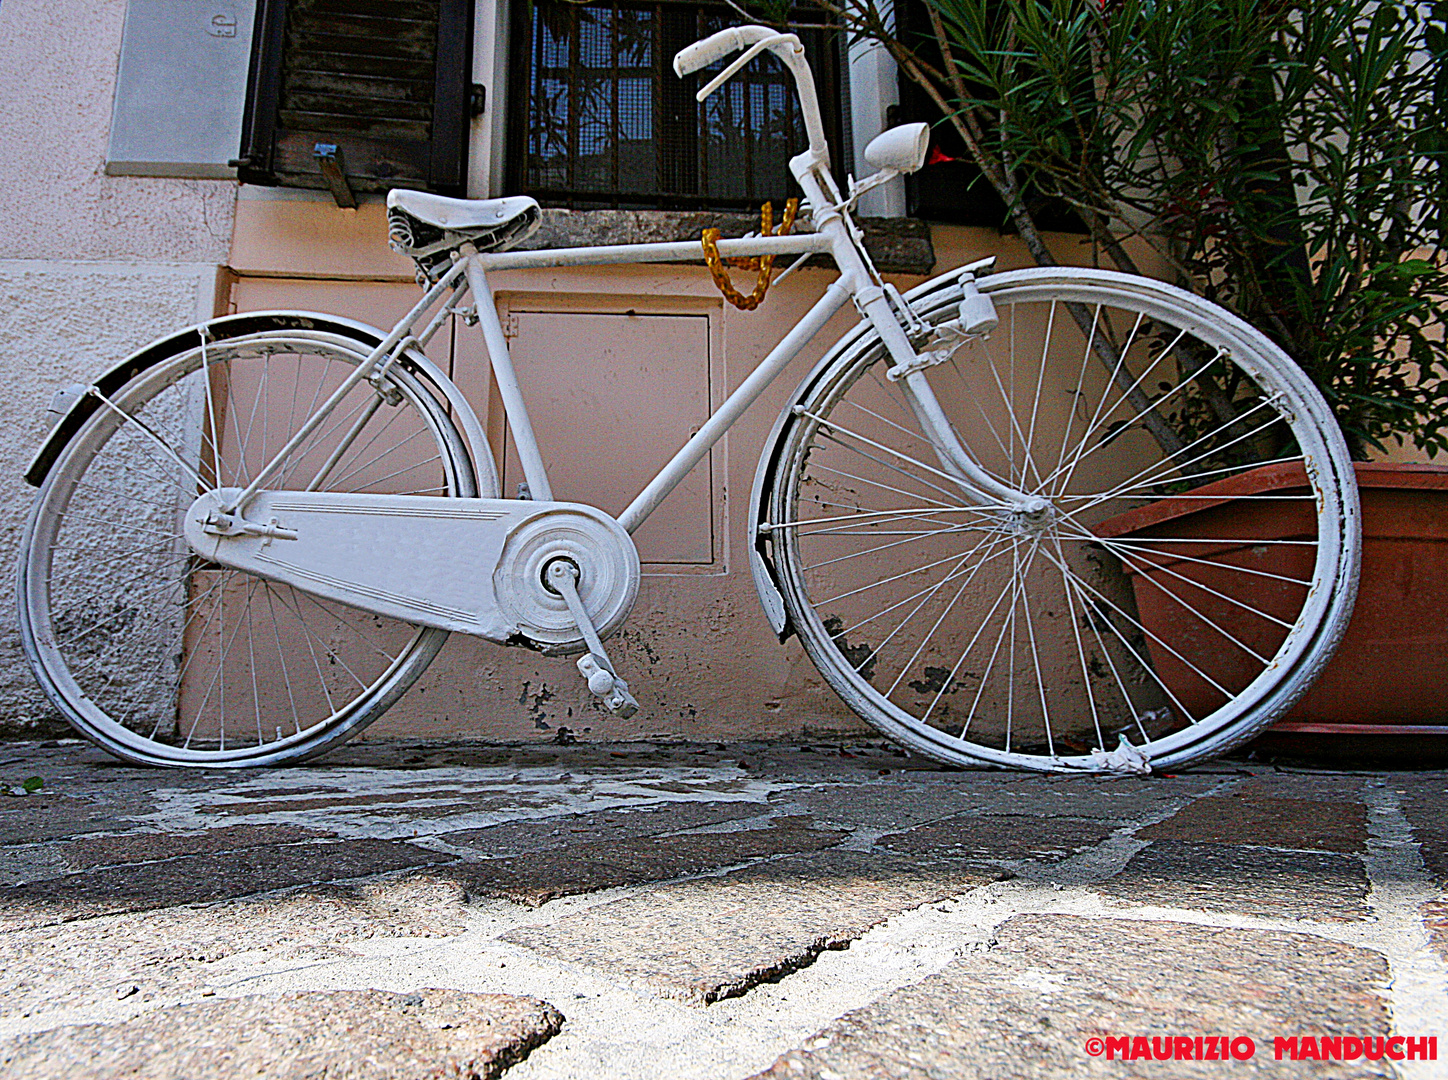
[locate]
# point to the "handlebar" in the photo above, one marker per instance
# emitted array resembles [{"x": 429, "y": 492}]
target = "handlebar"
[
  {"x": 714, "y": 47},
  {"x": 754, "y": 40}
]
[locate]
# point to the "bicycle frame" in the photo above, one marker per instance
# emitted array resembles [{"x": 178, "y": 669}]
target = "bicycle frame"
[
  {"x": 860, "y": 283},
  {"x": 836, "y": 235}
]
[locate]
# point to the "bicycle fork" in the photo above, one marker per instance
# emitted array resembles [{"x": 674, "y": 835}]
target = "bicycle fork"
[{"x": 908, "y": 367}]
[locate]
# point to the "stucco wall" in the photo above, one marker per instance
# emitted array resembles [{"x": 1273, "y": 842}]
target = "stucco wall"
[
  {"x": 91, "y": 266},
  {"x": 63, "y": 322},
  {"x": 57, "y": 81}
]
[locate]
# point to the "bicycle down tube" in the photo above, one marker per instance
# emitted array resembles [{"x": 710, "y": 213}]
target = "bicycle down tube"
[{"x": 719, "y": 421}]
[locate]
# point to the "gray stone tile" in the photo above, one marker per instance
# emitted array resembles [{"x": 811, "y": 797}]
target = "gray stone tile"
[
  {"x": 1116, "y": 799},
  {"x": 1263, "y": 882},
  {"x": 137, "y": 847},
  {"x": 1001, "y": 837},
  {"x": 199, "y": 878},
  {"x": 517, "y": 837},
  {"x": 1424, "y": 800},
  {"x": 537, "y": 877},
  {"x": 357, "y": 1034},
  {"x": 897, "y": 803},
  {"x": 52, "y": 816},
  {"x": 715, "y": 937},
  {"x": 1027, "y": 1006},
  {"x": 179, "y": 952},
  {"x": 1266, "y": 821},
  {"x": 887, "y": 804},
  {"x": 1313, "y": 786}
]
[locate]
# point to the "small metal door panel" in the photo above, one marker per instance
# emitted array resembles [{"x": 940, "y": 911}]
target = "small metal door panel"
[{"x": 612, "y": 396}]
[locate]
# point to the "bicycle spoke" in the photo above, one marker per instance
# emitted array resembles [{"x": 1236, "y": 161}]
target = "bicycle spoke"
[{"x": 990, "y": 555}]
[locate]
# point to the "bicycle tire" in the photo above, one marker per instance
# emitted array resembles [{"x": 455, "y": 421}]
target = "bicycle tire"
[
  {"x": 163, "y": 659},
  {"x": 975, "y": 637}
]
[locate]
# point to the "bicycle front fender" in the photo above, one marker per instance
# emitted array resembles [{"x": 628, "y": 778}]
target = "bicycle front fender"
[{"x": 259, "y": 322}]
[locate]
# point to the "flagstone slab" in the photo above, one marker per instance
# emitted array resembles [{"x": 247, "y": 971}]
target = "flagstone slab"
[
  {"x": 1049, "y": 984},
  {"x": 48, "y": 815},
  {"x": 137, "y": 847},
  {"x": 1313, "y": 786},
  {"x": 1258, "y": 881},
  {"x": 184, "y": 951},
  {"x": 1015, "y": 836},
  {"x": 517, "y": 837},
  {"x": 351, "y": 1034},
  {"x": 535, "y": 878},
  {"x": 1267, "y": 821},
  {"x": 902, "y": 803},
  {"x": 716, "y": 937},
  {"x": 200, "y": 878},
  {"x": 1425, "y": 804}
]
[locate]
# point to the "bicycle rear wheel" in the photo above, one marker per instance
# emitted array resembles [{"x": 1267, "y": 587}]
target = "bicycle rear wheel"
[
  {"x": 164, "y": 658},
  {"x": 1150, "y": 603}
]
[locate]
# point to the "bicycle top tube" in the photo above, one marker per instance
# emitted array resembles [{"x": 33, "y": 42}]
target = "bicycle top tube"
[{"x": 681, "y": 251}]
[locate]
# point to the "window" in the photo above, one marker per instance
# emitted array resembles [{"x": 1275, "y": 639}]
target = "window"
[
  {"x": 385, "y": 81},
  {"x": 600, "y": 120}
]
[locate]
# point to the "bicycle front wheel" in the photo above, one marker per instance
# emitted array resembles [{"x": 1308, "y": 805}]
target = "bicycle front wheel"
[
  {"x": 164, "y": 658},
  {"x": 1188, "y": 567}
]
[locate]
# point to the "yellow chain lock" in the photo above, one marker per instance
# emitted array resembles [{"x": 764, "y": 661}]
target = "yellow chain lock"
[{"x": 764, "y": 264}]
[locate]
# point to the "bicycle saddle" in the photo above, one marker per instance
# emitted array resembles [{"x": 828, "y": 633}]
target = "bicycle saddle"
[{"x": 427, "y": 227}]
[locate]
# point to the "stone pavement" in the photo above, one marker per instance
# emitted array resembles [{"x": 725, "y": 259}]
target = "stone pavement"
[{"x": 831, "y": 911}]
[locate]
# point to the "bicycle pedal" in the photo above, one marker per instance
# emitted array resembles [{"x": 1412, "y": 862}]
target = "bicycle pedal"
[
  {"x": 621, "y": 701},
  {"x": 606, "y": 686}
]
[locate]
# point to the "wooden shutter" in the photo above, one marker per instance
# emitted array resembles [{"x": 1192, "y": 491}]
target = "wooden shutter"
[{"x": 386, "y": 81}]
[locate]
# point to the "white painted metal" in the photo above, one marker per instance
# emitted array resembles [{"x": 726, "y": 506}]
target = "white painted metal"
[
  {"x": 595, "y": 666},
  {"x": 681, "y": 251},
  {"x": 587, "y": 538},
  {"x": 492, "y": 567},
  {"x": 505, "y": 378},
  {"x": 100, "y": 580},
  {"x": 359, "y": 373},
  {"x": 473, "y": 566},
  {"x": 901, "y": 149}
]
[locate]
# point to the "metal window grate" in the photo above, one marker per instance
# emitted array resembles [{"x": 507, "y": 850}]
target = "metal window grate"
[{"x": 601, "y": 120}]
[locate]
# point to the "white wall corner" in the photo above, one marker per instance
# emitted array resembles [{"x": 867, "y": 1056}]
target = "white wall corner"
[
  {"x": 874, "y": 87},
  {"x": 487, "y": 143}
]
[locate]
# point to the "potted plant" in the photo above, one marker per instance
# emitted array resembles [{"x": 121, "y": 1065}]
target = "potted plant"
[{"x": 1287, "y": 161}]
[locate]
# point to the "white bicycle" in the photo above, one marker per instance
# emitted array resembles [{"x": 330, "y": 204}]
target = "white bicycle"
[{"x": 253, "y": 535}]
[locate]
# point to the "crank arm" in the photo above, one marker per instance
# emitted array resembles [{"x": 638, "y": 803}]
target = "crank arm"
[{"x": 595, "y": 666}]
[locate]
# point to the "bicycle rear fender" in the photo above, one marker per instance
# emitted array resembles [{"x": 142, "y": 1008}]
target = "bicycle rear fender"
[
  {"x": 257, "y": 322},
  {"x": 924, "y": 297}
]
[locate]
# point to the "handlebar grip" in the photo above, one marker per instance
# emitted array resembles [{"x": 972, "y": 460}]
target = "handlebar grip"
[{"x": 703, "y": 53}]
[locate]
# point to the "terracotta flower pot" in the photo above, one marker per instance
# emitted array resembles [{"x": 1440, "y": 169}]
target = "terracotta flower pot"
[{"x": 1390, "y": 675}]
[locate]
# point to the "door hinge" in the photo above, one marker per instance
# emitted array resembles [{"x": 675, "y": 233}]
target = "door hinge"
[{"x": 510, "y": 326}]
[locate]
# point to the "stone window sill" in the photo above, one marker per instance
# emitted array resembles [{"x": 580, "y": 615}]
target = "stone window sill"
[{"x": 897, "y": 245}]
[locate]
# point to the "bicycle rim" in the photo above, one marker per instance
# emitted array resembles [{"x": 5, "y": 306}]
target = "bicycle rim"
[
  {"x": 164, "y": 658},
  {"x": 1192, "y": 573}
]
